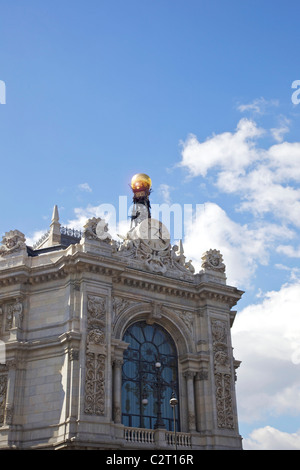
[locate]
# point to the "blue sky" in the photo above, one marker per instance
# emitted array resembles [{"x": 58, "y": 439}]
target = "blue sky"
[{"x": 198, "y": 94}]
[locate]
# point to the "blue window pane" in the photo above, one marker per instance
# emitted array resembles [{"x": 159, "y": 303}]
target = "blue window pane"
[{"x": 146, "y": 388}]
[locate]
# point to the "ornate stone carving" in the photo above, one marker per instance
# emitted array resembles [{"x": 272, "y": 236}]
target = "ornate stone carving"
[
  {"x": 95, "y": 384},
  {"x": 3, "y": 391},
  {"x": 121, "y": 305},
  {"x": 96, "y": 310},
  {"x": 13, "y": 242},
  {"x": 222, "y": 373},
  {"x": 224, "y": 401},
  {"x": 220, "y": 344},
  {"x": 95, "y": 356},
  {"x": 155, "y": 313},
  {"x": 161, "y": 261},
  {"x": 219, "y": 331},
  {"x": 97, "y": 229},
  {"x": 212, "y": 260},
  {"x": 14, "y": 315},
  {"x": 186, "y": 316}
]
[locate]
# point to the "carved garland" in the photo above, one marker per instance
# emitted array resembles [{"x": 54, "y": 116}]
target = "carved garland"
[
  {"x": 95, "y": 356},
  {"x": 222, "y": 374}
]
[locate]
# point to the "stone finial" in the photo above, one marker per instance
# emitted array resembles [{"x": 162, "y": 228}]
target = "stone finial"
[{"x": 212, "y": 260}]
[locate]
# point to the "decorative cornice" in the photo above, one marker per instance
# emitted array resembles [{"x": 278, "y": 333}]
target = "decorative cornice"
[
  {"x": 220, "y": 293},
  {"x": 120, "y": 274}
]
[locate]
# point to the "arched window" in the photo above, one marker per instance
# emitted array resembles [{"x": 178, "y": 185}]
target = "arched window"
[{"x": 149, "y": 378}]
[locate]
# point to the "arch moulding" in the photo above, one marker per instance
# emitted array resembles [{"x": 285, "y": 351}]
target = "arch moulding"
[{"x": 155, "y": 313}]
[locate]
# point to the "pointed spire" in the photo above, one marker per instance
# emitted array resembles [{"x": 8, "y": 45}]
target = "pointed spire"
[
  {"x": 54, "y": 235},
  {"x": 55, "y": 216}
]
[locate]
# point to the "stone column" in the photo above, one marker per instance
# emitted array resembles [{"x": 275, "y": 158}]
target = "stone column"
[
  {"x": 189, "y": 376},
  {"x": 118, "y": 390}
]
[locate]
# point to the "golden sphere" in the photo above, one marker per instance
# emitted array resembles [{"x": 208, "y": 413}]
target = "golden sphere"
[{"x": 140, "y": 182}]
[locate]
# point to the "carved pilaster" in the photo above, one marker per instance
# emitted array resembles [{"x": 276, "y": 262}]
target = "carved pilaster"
[
  {"x": 95, "y": 356},
  {"x": 222, "y": 375},
  {"x": 3, "y": 392}
]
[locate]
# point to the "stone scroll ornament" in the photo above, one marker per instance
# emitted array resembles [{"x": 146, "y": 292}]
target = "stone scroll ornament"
[
  {"x": 95, "y": 356},
  {"x": 222, "y": 373},
  {"x": 13, "y": 242}
]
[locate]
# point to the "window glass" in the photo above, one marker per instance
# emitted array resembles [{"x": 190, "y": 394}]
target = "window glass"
[{"x": 150, "y": 376}]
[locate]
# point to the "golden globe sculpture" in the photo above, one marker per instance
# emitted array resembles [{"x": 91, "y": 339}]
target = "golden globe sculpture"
[{"x": 141, "y": 182}]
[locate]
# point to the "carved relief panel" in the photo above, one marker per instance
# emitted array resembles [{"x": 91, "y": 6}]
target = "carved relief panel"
[
  {"x": 95, "y": 356},
  {"x": 11, "y": 315},
  {"x": 3, "y": 391},
  {"x": 222, "y": 375}
]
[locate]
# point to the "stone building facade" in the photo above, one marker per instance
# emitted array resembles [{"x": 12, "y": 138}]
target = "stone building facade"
[{"x": 70, "y": 311}]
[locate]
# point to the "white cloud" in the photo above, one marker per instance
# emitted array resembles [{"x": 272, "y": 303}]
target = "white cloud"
[
  {"x": 35, "y": 236},
  {"x": 85, "y": 187},
  {"x": 266, "y": 338},
  {"x": 284, "y": 160},
  {"x": 258, "y": 106},
  {"x": 243, "y": 247},
  {"x": 267, "y": 180},
  {"x": 278, "y": 132},
  {"x": 269, "y": 438},
  {"x": 105, "y": 211},
  {"x": 289, "y": 251},
  {"x": 165, "y": 191},
  {"x": 225, "y": 151}
]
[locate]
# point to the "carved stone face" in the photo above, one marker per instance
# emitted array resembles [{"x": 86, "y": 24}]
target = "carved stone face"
[
  {"x": 214, "y": 260},
  {"x": 10, "y": 242}
]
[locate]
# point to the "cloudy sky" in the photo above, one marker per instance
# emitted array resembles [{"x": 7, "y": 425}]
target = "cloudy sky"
[{"x": 204, "y": 96}]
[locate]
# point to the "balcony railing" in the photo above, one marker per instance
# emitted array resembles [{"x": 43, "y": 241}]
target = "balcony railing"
[
  {"x": 144, "y": 436},
  {"x": 183, "y": 439},
  {"x": 153, "y": 437}
]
